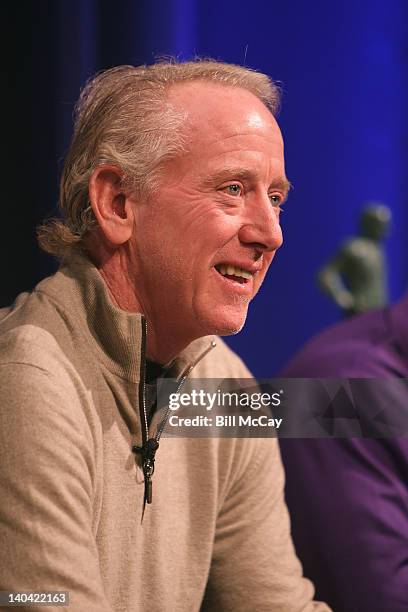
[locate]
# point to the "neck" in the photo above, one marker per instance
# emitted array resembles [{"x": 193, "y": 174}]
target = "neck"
[
  {"x": 163, "y": 342},
  {"x": 162, "y": 348}
]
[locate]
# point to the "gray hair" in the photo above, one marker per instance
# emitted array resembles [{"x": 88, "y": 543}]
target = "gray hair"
[{"x": 123, "y": 118}]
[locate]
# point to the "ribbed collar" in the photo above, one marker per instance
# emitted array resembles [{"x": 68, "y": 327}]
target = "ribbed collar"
[{"x": 114, "y": 334}]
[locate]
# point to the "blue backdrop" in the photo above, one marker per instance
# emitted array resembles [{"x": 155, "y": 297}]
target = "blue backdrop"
[{"x": 343, "y": 69}]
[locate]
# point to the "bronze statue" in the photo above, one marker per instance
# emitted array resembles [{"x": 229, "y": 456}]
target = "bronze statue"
[{"x": 356, "y": 278}]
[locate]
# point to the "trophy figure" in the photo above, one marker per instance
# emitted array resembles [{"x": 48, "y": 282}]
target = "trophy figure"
[{"x": 356, "y": 277}]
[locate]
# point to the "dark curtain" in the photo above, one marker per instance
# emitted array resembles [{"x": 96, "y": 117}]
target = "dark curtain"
[{"x": 343, "y": 68}]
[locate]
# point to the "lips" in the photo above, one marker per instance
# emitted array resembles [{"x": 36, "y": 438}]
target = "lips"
[{"x": 235, "y": 276}]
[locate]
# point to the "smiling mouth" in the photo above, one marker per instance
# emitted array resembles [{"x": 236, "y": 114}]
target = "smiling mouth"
[{"x": 233, "y": 273}]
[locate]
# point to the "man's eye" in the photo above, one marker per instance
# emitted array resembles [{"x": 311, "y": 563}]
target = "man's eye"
[
  {"x": 234, "y": 189},
  {"x": 276, "y": 199}
]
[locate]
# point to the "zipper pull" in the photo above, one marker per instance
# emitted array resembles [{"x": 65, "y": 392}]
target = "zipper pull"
[
  {"x": 148, "y": 469},
  {"x": 148, "y": 451},
  {"x": 148, "y": 494}
]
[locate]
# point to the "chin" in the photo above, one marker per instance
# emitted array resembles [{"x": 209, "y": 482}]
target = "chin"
[
  {"x": 232, "y": 331},
  {"x": 227, "y": 325}
]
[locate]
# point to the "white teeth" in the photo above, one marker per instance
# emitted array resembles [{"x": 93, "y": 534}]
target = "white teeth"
[
  {"x": 245, "y": 274},
  {"x": 233, "y": 271}
]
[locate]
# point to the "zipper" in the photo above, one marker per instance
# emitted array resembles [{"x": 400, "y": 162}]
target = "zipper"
[
  {"x": 150, "y": 445},
  {"x": 183, "y": 377},
  {"x": 142, "y": 385}
]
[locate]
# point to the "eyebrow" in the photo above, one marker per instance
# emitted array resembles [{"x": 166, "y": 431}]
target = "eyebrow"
[
  {"x": 283, "y": 184},
  {"x": 244, "y": 174}
]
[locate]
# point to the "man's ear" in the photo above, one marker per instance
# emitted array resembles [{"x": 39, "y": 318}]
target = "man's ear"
[{"x": 110, "y": 205}]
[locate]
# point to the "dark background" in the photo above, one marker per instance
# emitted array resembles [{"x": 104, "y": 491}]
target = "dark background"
[{"x": 343, "y": 66}]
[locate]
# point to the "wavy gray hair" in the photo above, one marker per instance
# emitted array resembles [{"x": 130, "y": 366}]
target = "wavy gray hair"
[{"x": 123, "y": 118}]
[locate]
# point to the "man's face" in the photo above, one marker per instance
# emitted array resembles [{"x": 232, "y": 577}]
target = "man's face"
[{"x": 203, "y": 244}]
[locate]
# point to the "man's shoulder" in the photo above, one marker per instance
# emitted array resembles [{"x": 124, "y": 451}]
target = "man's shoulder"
[
  {"x": 359, "y": 347},
  {"x": 33, "y": 364},
  {"x": 33, "y": 307},
  {"x": 28, "y": 344},
  {"x": 39, "y": 381},
  {"x": 34, "y": 335},
  {"x": 47, "y": 307}
]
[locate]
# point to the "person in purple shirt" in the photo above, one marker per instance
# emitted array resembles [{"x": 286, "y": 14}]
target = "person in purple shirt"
[{"x": 348, "y": 497}]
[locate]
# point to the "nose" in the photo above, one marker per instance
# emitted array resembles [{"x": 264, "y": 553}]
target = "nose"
[{"x": 261, "y": 228}]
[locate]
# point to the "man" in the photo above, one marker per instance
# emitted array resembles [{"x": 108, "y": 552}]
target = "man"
[
  {"x": 171, "y": 194},
  {"x": 348, "y": 497}
]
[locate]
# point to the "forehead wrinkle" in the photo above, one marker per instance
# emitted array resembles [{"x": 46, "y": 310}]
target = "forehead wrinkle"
[{"x": 219, "y": 136}]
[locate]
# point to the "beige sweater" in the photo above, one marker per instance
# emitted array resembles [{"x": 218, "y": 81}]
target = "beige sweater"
[{"x": 216, "y": 536}]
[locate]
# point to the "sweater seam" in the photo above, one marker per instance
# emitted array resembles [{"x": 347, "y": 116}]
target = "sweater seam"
[{"x": 29, "y": 365}]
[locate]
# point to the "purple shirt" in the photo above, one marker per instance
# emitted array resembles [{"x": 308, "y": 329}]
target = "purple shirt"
[{"x": 348, "y": 498}]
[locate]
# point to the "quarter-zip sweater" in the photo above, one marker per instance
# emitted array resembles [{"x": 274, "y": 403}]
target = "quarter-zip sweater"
[{"x": 216, "y": 536}]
